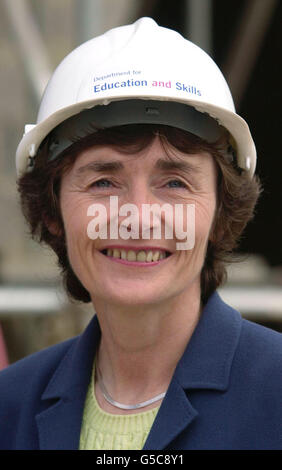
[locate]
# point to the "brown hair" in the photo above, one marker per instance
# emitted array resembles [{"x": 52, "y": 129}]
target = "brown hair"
[{"x": 236, "y": 194}]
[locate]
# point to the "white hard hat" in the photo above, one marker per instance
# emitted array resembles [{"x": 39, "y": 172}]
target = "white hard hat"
[{"x": 133, "y": 72}]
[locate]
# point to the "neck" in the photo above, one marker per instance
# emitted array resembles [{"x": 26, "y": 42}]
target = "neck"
[{"x": 142, "y": 344}]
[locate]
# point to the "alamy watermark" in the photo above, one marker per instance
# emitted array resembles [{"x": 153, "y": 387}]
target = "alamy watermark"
[{"x": 106, "y": 225}]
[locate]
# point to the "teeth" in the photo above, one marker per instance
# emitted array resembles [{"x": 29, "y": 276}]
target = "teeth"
[
  {"x": 131, "y": 255},
  {"x": 156, "y": 256},
  {"x": 142, "y": 256}
]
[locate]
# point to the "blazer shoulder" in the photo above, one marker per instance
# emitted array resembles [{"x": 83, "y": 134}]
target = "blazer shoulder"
[
  {"x": 33, "y": 371},
  {"x": 260, "y": 349},
  {"x": 262, "y": 338}
]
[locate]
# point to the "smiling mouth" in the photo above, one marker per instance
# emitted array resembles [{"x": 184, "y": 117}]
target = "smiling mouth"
[{"x": 141, "y": 256}]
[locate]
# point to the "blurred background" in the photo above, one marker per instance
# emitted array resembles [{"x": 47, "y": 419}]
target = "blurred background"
[{"x": 244, "y": 37}]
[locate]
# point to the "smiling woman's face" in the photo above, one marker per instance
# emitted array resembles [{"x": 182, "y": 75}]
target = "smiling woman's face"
[{"x": 137, "y": 278}]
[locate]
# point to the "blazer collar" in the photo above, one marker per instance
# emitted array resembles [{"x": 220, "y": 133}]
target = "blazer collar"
[
  {"x": 206, "y": 363},
  {"x": 207, "y": 360},
  {"x": 75, "y": 369},
  {"x": 60, "y": 423}
]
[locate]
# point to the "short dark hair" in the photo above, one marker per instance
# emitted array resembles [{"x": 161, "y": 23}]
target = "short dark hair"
[{"x": 237, "y": 195}]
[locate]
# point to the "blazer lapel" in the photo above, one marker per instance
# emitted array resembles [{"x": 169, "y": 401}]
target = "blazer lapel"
[
  {"x": 60, "y": 423},
  {"x": 175, "y": 415}
]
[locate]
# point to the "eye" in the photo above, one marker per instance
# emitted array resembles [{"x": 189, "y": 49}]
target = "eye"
[
  {"x": 176, "y": 184},
  {"x": 102, "y": 183}
]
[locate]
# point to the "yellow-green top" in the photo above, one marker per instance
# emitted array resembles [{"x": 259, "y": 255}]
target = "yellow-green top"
[{"x": 105, "y": 431}]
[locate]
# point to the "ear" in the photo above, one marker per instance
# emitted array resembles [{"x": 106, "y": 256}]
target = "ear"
[
  {"x": 53, "y": 227},
  {"x": 216, "y": 233}
]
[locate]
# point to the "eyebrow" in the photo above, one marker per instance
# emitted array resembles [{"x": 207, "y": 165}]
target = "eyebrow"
[
  {"x": 181, "y": 165},
  {"x": 99, "y": 167}
]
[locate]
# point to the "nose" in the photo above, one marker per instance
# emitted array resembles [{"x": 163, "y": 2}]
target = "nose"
[{"x": 133, "y": 211}]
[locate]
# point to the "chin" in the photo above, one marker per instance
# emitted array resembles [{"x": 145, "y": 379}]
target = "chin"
[{"x": 131, "y": 294}]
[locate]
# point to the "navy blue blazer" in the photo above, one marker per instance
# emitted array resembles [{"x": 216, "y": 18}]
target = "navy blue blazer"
[{"x": 226, "y": 392}]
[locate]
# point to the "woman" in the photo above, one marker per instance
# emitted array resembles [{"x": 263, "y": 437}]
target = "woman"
[{"x": 141, "y": 116}]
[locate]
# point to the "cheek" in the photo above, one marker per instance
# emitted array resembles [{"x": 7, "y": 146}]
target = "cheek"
[
  {"x": 74, "y": 217},
  {"x": 194, "y": 259},
  {"x": 79, "y": 246},
  {"x": 74, "y": 212},
  {"x": 205, "y": 214},
  {"x": 198, "y": 219}
]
